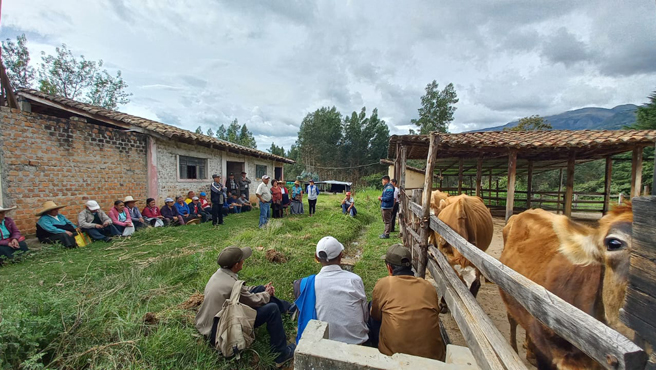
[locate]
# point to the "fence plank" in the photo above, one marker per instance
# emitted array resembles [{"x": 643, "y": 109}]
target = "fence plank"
[
  {"x": 481, "y": 348},
  {"x": 643, "y": 274},
  {"x": 586, "y": 333},
  {"x": 507, "y": 355}
]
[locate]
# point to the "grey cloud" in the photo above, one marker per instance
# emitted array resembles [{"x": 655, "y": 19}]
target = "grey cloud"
[
  {"x": 169, "y": 118},
  {"x": 564, "y": 47}
]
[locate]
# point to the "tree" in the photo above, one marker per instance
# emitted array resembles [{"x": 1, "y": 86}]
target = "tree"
[
  {"x": 232, "y": 133},
  {"x": 646, "y": 115},
  {"x": 364, "y": 142},
  {"x": 437, "y": 108},
  {"x": 246, "y": 138},
  {"x": 210, "y": 132},
  {"x": 16, "y": 58},
  {"x": 532, "y": 123},
  {"x": 199, "y": 130},
  {"x": 276, "y": 150},
  {"x": 80, "y": 79},
  {"x": 318, "y": 140},
  {"x": 221, "y": 133}
]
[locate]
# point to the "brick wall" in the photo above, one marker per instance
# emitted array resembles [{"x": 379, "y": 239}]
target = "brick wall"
[{"x": 47, "y": 158}]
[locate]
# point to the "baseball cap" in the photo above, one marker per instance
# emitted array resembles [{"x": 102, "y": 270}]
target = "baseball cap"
[
  {"x": 231, "y": 255},
  {"x": 398, "y": 255},
  {"x": 194, "y": 198},
  {"x": 331, "y": 246},
  {"x": 93, "y": 205},
  {"x": 202, "y": 194},
  {"x": 215, "y": 176},
  {"x": 265, "y": 177},
  {"x": 168, "y": 200}
]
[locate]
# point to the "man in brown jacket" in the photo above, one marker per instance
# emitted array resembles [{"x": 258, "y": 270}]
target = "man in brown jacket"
[
  {"x": 407, "y": 308},
  {"x": 261, "y": 298}
]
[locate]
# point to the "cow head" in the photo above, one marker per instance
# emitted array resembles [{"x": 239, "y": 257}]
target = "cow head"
[
  {"x": 610, "y": 245},
  {"x": 437, "y": 201}
]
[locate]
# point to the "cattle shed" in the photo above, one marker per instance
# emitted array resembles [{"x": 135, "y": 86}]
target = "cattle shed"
[
  {"x": 474, "y": 155},
  {"x": 511, "y": 154}
]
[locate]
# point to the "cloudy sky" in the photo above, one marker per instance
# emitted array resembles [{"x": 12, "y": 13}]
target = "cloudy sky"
[{"x": 270, "y": 62}]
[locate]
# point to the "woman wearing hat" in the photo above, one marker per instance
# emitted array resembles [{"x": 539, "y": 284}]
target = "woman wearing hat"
[
  {"x": 296, "y": 207},
  {"x": 137, "y": 218},
  {"x": 11, "y": 239},
  {"x": 53, "y": 227}
]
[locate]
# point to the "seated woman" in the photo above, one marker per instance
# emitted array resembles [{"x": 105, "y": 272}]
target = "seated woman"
[
  {"x": 121, "y": 218},
  {"x": 11, "y": 239},
  {"x": 53, "y": 227},
  {"x": 170, "y": 213},
  {"x": 276, "y": 199},
  {"x": 185, "y": 212},
  {"x": 137, "y": 218},
  {"x": 152, "y": 214},
  {"x": 207, "y": 207}
]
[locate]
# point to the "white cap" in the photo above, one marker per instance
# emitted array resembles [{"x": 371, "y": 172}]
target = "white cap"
[
  {"x": 265, "y": 177},
  {"x": 331, "y": 246},
  {"x": 194, "y": 198},
  {"x": 93, "y": 205}
]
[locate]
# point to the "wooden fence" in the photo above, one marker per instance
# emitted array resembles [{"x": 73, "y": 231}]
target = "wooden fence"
[{"x": 608, "y": 347}]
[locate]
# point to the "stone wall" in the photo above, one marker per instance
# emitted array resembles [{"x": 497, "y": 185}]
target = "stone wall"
[{"x": 67, "y": 161}]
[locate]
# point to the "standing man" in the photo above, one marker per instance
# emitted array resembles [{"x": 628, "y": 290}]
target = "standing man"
[
  {"x": 386, "y": 206},
  {"x": 395, "y": 209},
  {"x": 218, "y": 198},
  {"x": 264, "y": 195},
  {"x": 232, "y": 185},
  {"x": 244, "y": 184},
  {"x": 312, "y": 195}
]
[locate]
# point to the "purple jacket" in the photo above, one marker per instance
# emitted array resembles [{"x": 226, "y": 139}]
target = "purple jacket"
[{"x": 13, "y": 231}]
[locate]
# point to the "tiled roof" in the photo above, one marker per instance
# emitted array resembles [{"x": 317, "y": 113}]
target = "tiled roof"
[
  {"x": 526, "y": 141},
  {"x": 168, "y": 131}
]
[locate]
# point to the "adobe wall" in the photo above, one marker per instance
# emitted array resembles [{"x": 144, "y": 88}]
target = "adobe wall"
[{"x": 48, "y": 158}]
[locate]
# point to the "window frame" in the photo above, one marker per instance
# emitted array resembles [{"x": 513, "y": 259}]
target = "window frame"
[
  {"x": 180, "y": 158},
  {"x": 259, "y": 175}
]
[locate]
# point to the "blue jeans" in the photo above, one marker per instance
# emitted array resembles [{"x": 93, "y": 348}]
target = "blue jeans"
[
  {"x": 271, "y": 314},
  {"x": 353, "y": 210},
  {"x": 264, "y": 213},
  {"x": 104, "y": 233}
]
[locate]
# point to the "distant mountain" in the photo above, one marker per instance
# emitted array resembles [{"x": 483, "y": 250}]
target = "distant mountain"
[{"x": 587, "y": 119}]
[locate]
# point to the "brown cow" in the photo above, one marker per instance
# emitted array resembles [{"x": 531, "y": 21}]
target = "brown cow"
[
  {"x": 469, "y": 217},
  {"x": 568, "y": 259}
]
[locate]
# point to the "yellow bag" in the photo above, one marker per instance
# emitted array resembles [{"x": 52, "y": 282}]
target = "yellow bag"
[{"x": 82, "y": 239}]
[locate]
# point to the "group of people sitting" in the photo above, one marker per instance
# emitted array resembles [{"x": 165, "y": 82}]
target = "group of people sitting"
[{"x": 338, "y": 297}]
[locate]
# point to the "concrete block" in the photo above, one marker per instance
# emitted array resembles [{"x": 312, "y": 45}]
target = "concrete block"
[
  {"x": 316, "y": 352},
  {"x": 459, "y": 355}
]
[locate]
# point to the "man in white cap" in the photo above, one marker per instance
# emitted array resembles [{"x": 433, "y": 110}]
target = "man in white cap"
[
  {"x": 261, "y": 298},
  {"x": 338, "y": 295},
  {"x": 264, "y": 195},
  {"x": 96, "y": 223}
]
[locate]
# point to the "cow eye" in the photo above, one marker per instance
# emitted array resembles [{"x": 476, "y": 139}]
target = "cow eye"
[{"x": 614, "y": 244}]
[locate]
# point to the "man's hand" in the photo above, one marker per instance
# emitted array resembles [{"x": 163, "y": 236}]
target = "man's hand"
[
  {"x": 99, "y": 226},
  {"x": 142, "y": 220},
  {"x": 14, "y": 243},
  {"x": 270, "y": 289},
  {"x": 68, "y": 233},
  {"x": 380, "y": 198}
]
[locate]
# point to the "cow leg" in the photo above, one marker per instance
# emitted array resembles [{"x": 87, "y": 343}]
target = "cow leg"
[
  {"x": 513, "y": 333},
  {"x": 476, "y": 284},
  {"x": 443, "y": 307},
  {"x": 530, "y": 352}
]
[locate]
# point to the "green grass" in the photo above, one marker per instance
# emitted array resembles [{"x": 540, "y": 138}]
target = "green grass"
[{"x": 85, "y": 308}]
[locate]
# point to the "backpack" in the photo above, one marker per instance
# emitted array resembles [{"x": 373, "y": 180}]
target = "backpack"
[{"x": 235, "y": 331}]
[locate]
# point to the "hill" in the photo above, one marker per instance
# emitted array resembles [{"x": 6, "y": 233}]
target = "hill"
[{"x": 592, "y": 118}]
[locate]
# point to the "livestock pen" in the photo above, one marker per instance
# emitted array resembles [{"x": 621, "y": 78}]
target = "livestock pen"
[{"x": 529, "y": 153}]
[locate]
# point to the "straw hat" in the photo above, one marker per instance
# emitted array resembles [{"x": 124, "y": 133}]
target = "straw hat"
[
  {"x": 297, "y": 182},
  {"x": 47, "y": 207},
  {"x": 3, "y": 209},
  {"x": 129, "y": 199}
]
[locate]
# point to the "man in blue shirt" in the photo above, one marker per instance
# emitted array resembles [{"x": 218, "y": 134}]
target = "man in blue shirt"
[{"x": 386, "y": 206}]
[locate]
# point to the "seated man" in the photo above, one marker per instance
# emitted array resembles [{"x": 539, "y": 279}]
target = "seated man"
[
  {"x": 96, "y": 223},
  {"x": 190, "y": 197},
  {"x": 184, "y": 212},
  {"x": 234, "y": 204},
  {"x": 205, "y": 204},
  {"x": 170, "y": 213},
  {"x": 245, "y": 204},
  {"x": 11, "y": 240},
  {"x": 136, "y": 216},
  {"x": 53, "y": 227},
  {"x": 196, "y": 211},
  {"x": 261, "y": 298},
  {"x": 348, "y": 205},
  {"x": 226, "y": 205},
  {"x": 335, "y": 296},
  {"x": 402, "y": 300}
]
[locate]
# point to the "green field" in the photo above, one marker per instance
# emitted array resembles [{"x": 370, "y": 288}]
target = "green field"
[{"x": 86, "y": 308}]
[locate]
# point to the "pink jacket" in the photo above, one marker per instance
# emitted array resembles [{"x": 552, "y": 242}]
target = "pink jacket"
[{"x": 113, "y": 214}]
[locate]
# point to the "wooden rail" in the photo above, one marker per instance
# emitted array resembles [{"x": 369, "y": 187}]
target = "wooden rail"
[{"x": 608, "y": 347}]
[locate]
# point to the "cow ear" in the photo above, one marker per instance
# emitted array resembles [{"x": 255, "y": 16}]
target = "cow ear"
[{"x": 577, "y": 242}]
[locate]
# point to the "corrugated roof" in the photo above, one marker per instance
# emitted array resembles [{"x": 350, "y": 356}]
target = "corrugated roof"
[{"x": 122, "y": 119}]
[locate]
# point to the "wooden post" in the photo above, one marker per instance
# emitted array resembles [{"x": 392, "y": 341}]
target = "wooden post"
[
  {"x": 529, "y": 185},
  {"x": 402, "y": 197},
  {"x": 607, "y": 178},
  {"x": 425, "y": 204},
  {"x": 569, "y": 187},
  {"x": 497, "y": 191},
  {"x": 479, "y": 177},
  {"x": 397, "y": 162},
  {"x": 461, "y": 167},
  {"x": 636, "y": 172},
  {"x": 560, "y": 189},
  {"x": 653, "y": 180},
  {"x": 510, "y": 195}
]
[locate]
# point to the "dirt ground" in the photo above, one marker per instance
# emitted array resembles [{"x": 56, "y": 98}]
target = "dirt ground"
[{"x": 489, "y": 298}]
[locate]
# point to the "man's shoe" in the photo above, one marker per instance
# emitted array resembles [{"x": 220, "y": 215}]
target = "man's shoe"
[
  {"x": 383, "y": 236},
  {"x": 285, "y": 357},
  {"x": 108, "y": 240}
]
